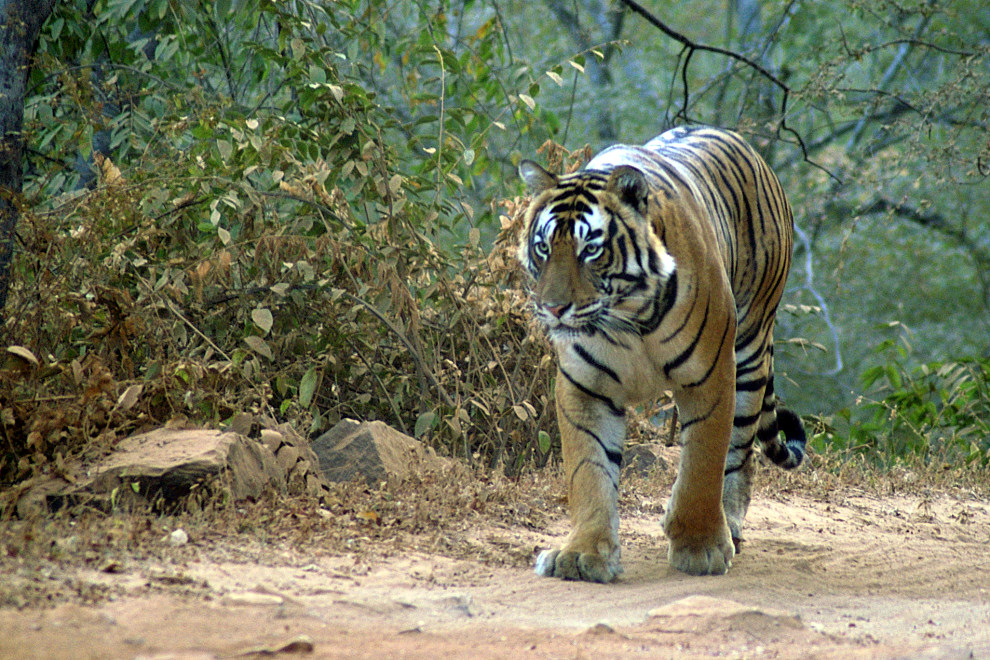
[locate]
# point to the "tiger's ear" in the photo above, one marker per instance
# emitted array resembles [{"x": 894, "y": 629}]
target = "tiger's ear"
[
  {"x": 537, "y": 179},
  {"x": 629, "y": 185}
]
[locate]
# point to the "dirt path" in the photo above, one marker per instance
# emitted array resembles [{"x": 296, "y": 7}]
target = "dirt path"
[{"x": 859, "y": 577}]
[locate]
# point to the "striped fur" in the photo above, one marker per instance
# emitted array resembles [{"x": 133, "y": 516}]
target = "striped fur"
[{"x": 658, "y": 268}]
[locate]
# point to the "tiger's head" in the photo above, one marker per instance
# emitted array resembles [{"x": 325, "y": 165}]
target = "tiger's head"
[{"x": 588, "y": 243}]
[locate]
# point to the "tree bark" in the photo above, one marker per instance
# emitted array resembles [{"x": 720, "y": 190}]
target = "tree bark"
[{"x": 20, "y": 23}]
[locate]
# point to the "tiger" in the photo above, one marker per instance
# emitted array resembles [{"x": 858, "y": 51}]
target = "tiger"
[{"x": 659, "y": 268}]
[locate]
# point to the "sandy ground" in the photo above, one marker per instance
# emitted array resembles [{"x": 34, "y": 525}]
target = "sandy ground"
[{"x": 859, "y": 576}]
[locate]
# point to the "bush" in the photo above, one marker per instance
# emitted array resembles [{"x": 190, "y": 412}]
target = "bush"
[
  {"x": 938, "y": 411},
  {"x": 265, "y": 247}
]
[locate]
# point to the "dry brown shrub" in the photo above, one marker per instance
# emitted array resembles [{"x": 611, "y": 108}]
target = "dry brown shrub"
[{"x": 304, "y": 313}]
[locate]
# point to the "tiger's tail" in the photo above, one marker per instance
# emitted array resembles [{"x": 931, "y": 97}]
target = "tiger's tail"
[{"x": 789, "y": 452}]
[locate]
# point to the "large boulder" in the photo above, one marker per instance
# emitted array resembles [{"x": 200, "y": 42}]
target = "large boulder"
[
  {"x": 160, "y": 466},
  {"x": 170, "y": 462},
  {"x": 372, "y": 451}
]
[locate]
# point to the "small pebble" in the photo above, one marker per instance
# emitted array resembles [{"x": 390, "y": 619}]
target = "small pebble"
[{"x": 178, "y": 537}]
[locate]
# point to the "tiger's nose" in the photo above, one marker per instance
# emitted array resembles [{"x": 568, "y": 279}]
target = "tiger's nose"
[{"x": 557, "y": 310}]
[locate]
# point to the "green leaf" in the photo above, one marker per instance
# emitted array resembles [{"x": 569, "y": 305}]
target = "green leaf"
[
  {"x": 424, "y": 423},
  {"x": 86, "y": 141},
  {"x": 307, "y": 387},
  {"x": 262, "y": 318},
  {"x": 543, "y": 439},
  {"x": 225, "y": 148}
]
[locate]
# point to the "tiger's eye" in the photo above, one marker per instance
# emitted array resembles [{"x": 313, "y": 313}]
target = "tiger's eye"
[
  {"x": 541, "y": 248},
  {"x": 591, "y": 251}
]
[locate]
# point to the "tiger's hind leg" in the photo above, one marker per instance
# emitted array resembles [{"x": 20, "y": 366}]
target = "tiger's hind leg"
[
  {"x": 738, "y": 481},
  {"x": 757, "y": 419},
  {"x": 753, "y": 416}
]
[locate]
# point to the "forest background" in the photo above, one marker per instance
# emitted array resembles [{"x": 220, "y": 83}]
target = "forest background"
[{"x": 308, "y": 210}]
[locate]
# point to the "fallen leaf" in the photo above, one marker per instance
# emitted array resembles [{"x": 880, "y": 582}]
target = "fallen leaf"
[
  {"x": 369, "y": 517},
  {"x": 262, "y": 318},
  {"x": 258, "y": 345},
  {"x": 23, "y": 354},
  {"x": 130, "y": 397}
]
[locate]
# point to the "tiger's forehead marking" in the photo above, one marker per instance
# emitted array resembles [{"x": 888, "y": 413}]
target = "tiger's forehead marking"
[
  {"x": 585, "y": 228},
  {"x": 576, "y": 213}
]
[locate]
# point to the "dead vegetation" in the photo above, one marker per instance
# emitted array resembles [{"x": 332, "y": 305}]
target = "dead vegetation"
[{"x": 136, "y": 321}]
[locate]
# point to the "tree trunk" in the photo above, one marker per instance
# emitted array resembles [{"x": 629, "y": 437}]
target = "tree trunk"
[{"x": 20, "y": 23}]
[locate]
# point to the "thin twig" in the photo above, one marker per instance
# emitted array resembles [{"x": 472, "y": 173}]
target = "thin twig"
[
  {"x": 175, "y": 310},
  {"x": 391, "y": 402},
  {"x": 420, "y": 365}
]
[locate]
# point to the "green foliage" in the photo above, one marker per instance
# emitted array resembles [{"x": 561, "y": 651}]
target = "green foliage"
[
  {"x": 270, "y": 235},
  {"x": 937, "y": 411}
]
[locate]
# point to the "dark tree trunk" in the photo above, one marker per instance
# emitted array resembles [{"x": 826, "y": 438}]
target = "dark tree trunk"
[{"x": 20, "y": 23}]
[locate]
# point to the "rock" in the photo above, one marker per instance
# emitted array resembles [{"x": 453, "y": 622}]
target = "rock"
[
  {"x": 178, "y": 537},
  {"x": 272, "y": 439},
  {"x": 296, "y": 458},
  {"x": 706, "y": 614},
  {"x": 287, "y": 456},
  {"x": 372, "y": 451},
  {"x": 170, "y": 462},
  {"x": 162, "y": 465}
]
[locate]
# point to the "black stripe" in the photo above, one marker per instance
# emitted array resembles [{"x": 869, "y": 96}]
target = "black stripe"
[
  {"x": 616, "y": 410},
  {"x": 662, "y": 307},
  {"x": 746, "y": 420},
  {"x": 751, "y": 386},
  {"x": 590, "y": 359},
  {"x": 613, "y": 456},
  {"x": 603, "y": 468},
  {"x": 742, "y": 463},
  {"x": 687, "y": 352},
  {"x": 743, "y": 445},
  {"x": 701, "y": 418},
  {"x": 711, "y": 367}
]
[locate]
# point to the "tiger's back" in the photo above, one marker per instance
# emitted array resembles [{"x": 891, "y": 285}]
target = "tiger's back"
[
  {"x": 741, "y": 197},
  {"x": 661, "y": 267}
]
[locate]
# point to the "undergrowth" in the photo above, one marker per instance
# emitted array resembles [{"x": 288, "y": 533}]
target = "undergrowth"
[
  {"x": 134, "y": 320},
  {"x": 277, "y": 254},
  {"x": 937, "y": 413}
]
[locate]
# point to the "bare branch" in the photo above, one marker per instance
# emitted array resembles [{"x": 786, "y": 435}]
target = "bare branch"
[
  {"x": 691, "y": 46},
  {"x": 905, "y": 49}
]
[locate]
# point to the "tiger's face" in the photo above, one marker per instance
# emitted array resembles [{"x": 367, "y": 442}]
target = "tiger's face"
[{"x": 598, "y": 266}]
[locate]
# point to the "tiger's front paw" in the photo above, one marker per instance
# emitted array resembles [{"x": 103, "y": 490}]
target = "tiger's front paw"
[
  {"x": 698, "y": 553},
  {"x": 704, "y": 558},
  {"x": 585, "y": 566}
]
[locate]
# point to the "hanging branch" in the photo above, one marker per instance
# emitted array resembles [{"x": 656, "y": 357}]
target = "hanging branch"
[{"x": 691, "y": 46}]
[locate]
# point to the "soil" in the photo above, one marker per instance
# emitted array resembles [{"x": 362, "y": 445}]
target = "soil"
[{"x": 850, "y": 574}]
